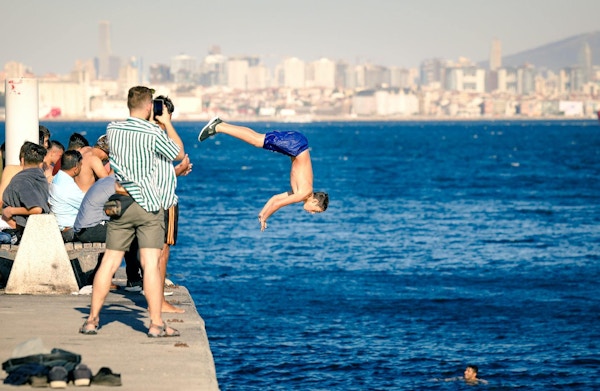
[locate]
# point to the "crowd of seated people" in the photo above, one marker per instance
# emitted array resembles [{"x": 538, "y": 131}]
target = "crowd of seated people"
[{"x": 68, "y": 175}]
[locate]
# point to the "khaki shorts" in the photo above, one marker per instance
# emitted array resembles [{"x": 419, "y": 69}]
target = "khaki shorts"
[{"x": 148, "y": 227}]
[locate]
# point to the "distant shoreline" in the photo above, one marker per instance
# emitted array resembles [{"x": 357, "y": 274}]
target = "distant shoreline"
[{"x": 321, "y": 119}]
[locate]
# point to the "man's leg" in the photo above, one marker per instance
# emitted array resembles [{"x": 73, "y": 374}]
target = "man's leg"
[
  {"x": 163, "y": 261},
  {"x": 243, "y": 133},
  {"x": 153, "y": 288},
  {"x": 171, "y": 227},
  {"x": 133, "y": 267},
  {"x": 101, "y": 286}
]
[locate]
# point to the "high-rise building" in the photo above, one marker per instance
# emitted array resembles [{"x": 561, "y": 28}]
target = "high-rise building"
[
  {"x": 341, "y": 74},
  {"x": 104, "y": 50},
  {"x": 432, "y": 71},
  {"x": 183, "y": 68},
  {"x": 376, "y": 76},
  {"x": 496, "y": 55},
  {"x": 213, "y": 70},
  {"x": 585, "y": 62},
  {"x": 160, "y": 73},
  {"x": 108, "y": 65},
  {"x": 401, "y": 77}
]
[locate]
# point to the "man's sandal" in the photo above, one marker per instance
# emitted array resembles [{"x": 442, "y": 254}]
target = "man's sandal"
[
  {"x": 84, "y": 329},
  {"x": 162, "y": 331}
]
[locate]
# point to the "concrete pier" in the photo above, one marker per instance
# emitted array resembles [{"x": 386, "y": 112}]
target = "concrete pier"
[{"x": 180, "y": 363}]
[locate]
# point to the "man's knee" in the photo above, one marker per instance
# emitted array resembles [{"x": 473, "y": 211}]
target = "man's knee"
[{"x": 112, "y": 259}]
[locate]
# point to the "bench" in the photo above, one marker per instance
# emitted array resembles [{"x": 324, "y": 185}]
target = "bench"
[
  {"x": 83, "y": 256},
  {"x": 43, "y": 264}
]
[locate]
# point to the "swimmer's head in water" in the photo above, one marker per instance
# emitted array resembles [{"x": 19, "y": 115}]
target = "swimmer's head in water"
[{"x": 471, "y": 372}]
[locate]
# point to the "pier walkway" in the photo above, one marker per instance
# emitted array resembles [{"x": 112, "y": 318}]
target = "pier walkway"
[{"x": 180, "y": 363}]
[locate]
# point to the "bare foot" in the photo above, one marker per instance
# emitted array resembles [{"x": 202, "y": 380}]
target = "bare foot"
[{"x": 168, "y": 307}]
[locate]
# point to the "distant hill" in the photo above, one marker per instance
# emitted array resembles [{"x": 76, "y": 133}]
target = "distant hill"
[{"x": 555, "y": 55}]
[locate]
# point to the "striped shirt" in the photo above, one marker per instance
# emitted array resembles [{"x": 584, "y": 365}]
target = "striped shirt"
[{"x": 141, "y": 154}]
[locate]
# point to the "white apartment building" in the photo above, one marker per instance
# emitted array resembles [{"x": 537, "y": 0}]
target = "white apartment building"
[
  {"x": 246, "y": 73},
  {"x": 508, "y": 80},
  {"x": 396, "y": 102},
  {"x": 294, "y": 73},
  {"x": 321, "y": 74},
  {"x": 385, "y": 102},
  {"x": 259, "y": 77},
  {"x": 469, "y": 78},
  {"x": 237, "y": 74}
]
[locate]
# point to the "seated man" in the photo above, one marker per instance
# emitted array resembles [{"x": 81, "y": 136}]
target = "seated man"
[
  {"x": 27, "y": 192},
  {"x": 90, "y": 227},
  {"x": 93, "y": 164},
  {"x": 52, "y": 157},
  {"x": 90, "y": 223},
  {"x": 76, "y": 143},
  {"x": 44, "y": 134},
  {"x": 65, "y": 196}
]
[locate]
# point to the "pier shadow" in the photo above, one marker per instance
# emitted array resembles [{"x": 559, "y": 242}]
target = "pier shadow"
[{"x": 133, "y": 314}]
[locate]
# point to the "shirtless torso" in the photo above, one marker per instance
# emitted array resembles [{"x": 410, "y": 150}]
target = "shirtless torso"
[
  {"x": 301, "y": 182},
  {"x": 92, "y": 167}
]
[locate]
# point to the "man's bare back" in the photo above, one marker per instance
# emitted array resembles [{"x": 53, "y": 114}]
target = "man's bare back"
[{"x": 92, "y": 167}]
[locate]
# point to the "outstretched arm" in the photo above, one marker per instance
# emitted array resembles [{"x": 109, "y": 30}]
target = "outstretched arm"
[{"x": 275, "y": 203}]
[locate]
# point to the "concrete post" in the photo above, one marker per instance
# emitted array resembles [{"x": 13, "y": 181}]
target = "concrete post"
[
  {"x": 22, "y": 116},
  {"x": 42, "y": 265},
  {"x": 22, "y": 123}
]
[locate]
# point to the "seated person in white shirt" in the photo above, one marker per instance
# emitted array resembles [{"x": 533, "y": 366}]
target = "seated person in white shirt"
[{"x": 65, "y": 196}]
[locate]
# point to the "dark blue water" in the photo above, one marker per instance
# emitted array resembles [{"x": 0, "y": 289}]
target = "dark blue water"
[{"x": 445, "y": 243}]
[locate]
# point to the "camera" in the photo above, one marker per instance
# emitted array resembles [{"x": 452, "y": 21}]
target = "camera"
[{"x": 157, "y": 107}]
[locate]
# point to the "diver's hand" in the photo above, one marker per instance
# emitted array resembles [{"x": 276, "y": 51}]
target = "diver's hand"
[{"x": 263, "y": 222}]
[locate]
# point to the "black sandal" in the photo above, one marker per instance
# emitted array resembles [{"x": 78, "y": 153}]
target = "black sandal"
[
  {"x": 85, "y": 330},
  {"x": 163, "y": 331}
]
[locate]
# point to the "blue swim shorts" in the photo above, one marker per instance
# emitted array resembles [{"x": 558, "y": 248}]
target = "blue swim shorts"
[{"x": 289, "y": 143}]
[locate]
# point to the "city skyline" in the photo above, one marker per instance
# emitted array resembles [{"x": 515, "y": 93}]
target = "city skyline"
[{"x": 388, "y": 33}]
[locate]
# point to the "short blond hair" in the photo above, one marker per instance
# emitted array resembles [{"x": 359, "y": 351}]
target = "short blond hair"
[{"x": 138, "y": 96}]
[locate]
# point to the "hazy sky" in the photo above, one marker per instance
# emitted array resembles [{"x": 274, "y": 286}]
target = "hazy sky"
[{"x": 50, "y": 36}]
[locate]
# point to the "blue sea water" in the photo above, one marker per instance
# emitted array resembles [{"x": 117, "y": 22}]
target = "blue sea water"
[{"x": 445, "y": 244}]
